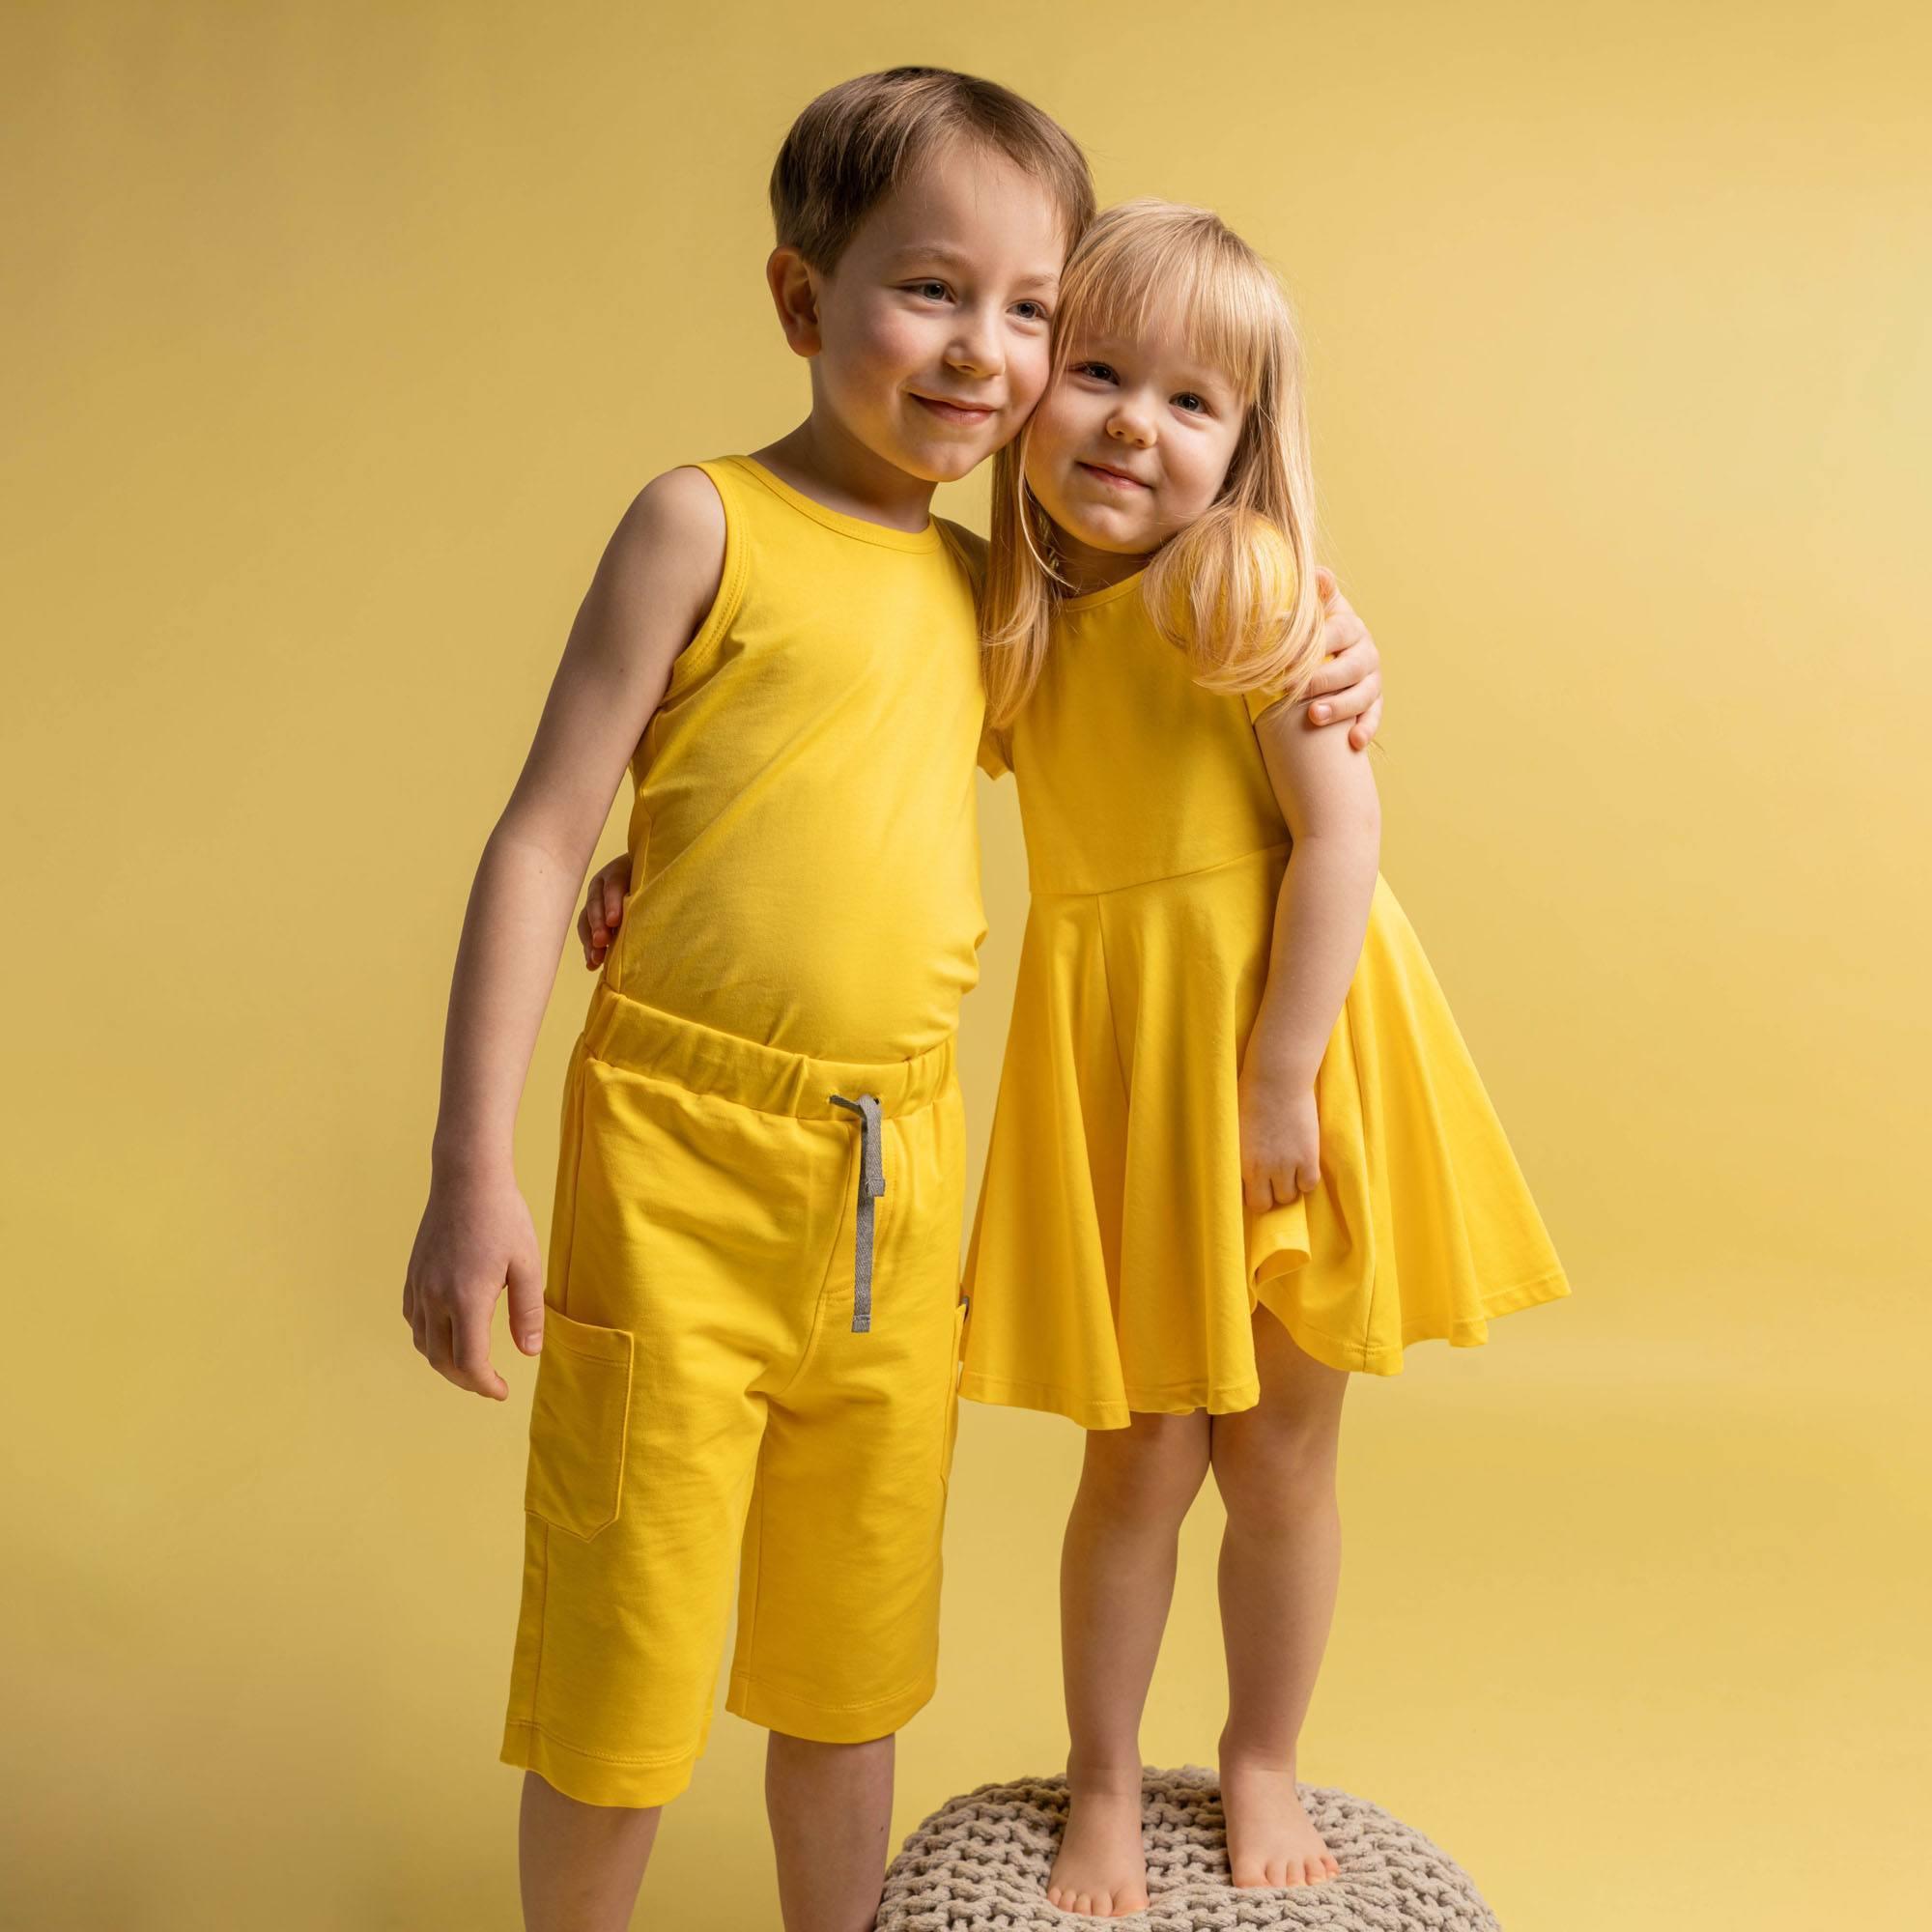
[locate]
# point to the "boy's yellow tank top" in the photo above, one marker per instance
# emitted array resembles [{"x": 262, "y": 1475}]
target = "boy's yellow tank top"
[{"x": 804, "y": 839}]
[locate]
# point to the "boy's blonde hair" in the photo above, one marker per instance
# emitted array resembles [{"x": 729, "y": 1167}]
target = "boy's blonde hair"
[
  {"x": 860, "y": 140},
  {"x": 1235, "y": 589}
]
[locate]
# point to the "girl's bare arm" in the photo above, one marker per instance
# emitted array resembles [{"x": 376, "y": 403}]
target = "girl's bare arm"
[
  {"x": 652, "y": 588},
  {"x": 1328, "y": 801}
]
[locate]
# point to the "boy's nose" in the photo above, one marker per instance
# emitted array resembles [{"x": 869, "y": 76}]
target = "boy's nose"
[{"x": 975, "y": 348}]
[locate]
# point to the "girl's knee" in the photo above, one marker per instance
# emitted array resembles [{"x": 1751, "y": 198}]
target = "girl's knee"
[
  {"x": 1154, "y": 1466},
  {"x": 1274, "y": 1469}
]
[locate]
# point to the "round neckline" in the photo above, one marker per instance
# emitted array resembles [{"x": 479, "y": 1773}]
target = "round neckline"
[
  {"x": 1087, "y": 599},
  {"x": 861, "y": 527}
]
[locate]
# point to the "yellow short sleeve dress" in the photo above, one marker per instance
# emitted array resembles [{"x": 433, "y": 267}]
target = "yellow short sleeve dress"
[{"x": 1113, "y": 1268}]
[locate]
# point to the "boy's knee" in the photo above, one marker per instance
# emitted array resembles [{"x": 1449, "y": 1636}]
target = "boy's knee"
[{"x": 792, "y": 1745}]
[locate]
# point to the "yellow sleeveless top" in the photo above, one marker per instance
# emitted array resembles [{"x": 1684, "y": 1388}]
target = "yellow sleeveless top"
[{"x": 804, "y": 839}]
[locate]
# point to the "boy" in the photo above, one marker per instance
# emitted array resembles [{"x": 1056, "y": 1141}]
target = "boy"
[{"x": 752, "y": 1316}]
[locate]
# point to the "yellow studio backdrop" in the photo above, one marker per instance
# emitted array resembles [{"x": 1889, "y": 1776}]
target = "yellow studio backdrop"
[{"x": 337, "y": 336}]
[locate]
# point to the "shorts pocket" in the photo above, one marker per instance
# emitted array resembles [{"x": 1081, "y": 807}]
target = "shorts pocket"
[
  {"x": 579, "y": 1418},
  {"x": 953, "y": 1391}
]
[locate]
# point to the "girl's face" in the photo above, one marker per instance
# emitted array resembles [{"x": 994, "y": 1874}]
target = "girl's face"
[{"x": 1129, "y": 447}]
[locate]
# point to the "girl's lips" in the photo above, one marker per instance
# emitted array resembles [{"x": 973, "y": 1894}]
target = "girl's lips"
[
  {"x": 1114, "y": 477},
  {"x": 955, "y": 412}
]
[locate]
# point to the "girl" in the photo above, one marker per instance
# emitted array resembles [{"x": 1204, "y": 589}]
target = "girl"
[{"x": 1241, "y": 1150}]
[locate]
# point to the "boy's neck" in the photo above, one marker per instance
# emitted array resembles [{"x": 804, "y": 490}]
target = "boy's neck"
[{"x": 824, "y": 461}]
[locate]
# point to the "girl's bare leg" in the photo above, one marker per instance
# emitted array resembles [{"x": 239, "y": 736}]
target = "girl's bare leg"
[
  {"x": 1116, "y": 1583},
  {"x": 580, "y": 1866},
  {"x": 1280, "y": 1561}
]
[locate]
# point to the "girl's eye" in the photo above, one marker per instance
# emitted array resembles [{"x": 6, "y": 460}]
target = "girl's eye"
[
  {"x": 1104, "y": 371},
  {"x": 1189, "y": 396},
  {"x": 1039, "y": 309},
  {"x": 937, "y": 290}
]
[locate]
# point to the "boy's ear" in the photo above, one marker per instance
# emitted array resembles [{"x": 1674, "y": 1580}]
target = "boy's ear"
[{"x": 795, "y": 295}]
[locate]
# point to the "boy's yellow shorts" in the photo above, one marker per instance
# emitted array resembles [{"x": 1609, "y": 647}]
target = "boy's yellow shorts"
[{"x": 703, "y": 1387}]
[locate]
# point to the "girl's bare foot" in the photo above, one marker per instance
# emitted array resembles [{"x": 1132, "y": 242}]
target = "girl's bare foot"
[
  {"x": 1271, "y": 1840},
  {"x": 1101, "y": 1868}
]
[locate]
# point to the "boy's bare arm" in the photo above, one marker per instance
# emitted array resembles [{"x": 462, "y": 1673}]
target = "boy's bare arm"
[{"x": 653, "y": 586}]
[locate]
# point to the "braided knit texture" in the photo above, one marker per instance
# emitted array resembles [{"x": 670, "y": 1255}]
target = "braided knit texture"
[{"x": 979, "y": 1864}]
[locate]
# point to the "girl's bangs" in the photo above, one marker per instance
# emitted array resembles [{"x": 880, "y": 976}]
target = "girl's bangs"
[{"x": 1127, "y": 286}]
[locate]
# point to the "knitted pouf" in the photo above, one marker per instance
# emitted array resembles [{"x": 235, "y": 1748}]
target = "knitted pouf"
[{"x": 979, "y": 1864}]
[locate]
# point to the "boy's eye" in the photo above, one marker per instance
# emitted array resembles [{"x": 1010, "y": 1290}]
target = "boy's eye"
[
  {"x": 937, "y": 290},
  {"x": 1039, "y": 308}
]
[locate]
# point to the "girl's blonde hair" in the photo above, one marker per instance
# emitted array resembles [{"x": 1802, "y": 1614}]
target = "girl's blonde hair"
[{"x": 1236, "y": 589}]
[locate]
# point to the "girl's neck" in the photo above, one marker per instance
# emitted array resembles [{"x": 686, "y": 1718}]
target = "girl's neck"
[{"x": 1086, "y": 568}]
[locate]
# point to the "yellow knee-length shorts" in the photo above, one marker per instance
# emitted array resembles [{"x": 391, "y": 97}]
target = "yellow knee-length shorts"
[{"x": 723, "y": 1388}]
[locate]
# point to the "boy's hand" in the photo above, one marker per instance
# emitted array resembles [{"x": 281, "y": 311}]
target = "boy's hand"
[
  {"x": 1281, "y": 1142},
  {"x": 603, "y": 908},
  {"x": 1350, "y": 684},
  {"x": 475, "y": 1235}
]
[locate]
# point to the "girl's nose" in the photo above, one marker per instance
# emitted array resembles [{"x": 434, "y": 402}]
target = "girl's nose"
[{"x": 1130, "y": 426}]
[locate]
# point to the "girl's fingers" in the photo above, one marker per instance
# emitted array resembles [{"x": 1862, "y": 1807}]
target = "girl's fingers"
[
  {"x": 1365, "y": 727},
  {"x": 613, "y": 901}
]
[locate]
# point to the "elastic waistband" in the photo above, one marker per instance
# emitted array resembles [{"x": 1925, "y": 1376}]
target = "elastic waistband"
[{"x": 768, "y": 1079}]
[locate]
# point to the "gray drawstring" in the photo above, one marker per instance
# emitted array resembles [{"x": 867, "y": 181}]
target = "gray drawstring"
[{"x": 871, "y": 1185}]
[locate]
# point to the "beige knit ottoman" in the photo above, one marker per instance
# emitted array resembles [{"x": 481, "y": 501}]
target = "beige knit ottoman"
[{"x": 979, "y": 1864}]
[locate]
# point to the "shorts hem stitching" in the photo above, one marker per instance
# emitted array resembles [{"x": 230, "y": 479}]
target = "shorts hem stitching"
[{"x": 655, "y": 1763}]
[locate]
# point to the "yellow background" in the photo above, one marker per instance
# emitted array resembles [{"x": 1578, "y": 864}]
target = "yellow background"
[{"x": 335, "y": 339}]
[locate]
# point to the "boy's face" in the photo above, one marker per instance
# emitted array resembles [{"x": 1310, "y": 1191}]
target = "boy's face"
[
  {"x": 1132, "y": 443},
  {"x": 934, "y": 331}
]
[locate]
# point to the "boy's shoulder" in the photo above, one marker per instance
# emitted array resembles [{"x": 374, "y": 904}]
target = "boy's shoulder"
[
  {"x": 969, "y": 546},
  {"x": 682, "y": 504},
  {"x": 668, "y": 550}
]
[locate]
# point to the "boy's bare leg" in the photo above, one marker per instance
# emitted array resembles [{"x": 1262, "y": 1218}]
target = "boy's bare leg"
[
  {"x": 1116, "y": 1583},
  {"x": 1281, "y": 1558},
  {"x": 580, "y": 1865},
  {"x": 831, "y": 1809}
]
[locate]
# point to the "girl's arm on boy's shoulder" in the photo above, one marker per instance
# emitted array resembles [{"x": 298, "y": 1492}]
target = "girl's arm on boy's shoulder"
[
  {"x": 1328, "y": 801},
  {"x": 654, "y": 584}
]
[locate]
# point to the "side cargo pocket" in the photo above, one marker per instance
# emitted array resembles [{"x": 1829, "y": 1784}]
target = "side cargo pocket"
[{"x": 580, "y": 1422}]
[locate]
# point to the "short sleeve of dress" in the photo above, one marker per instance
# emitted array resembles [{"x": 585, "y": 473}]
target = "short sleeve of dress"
[
  {"x": 996, "y": 752},
  {"x": 1267, "y": 697}
]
